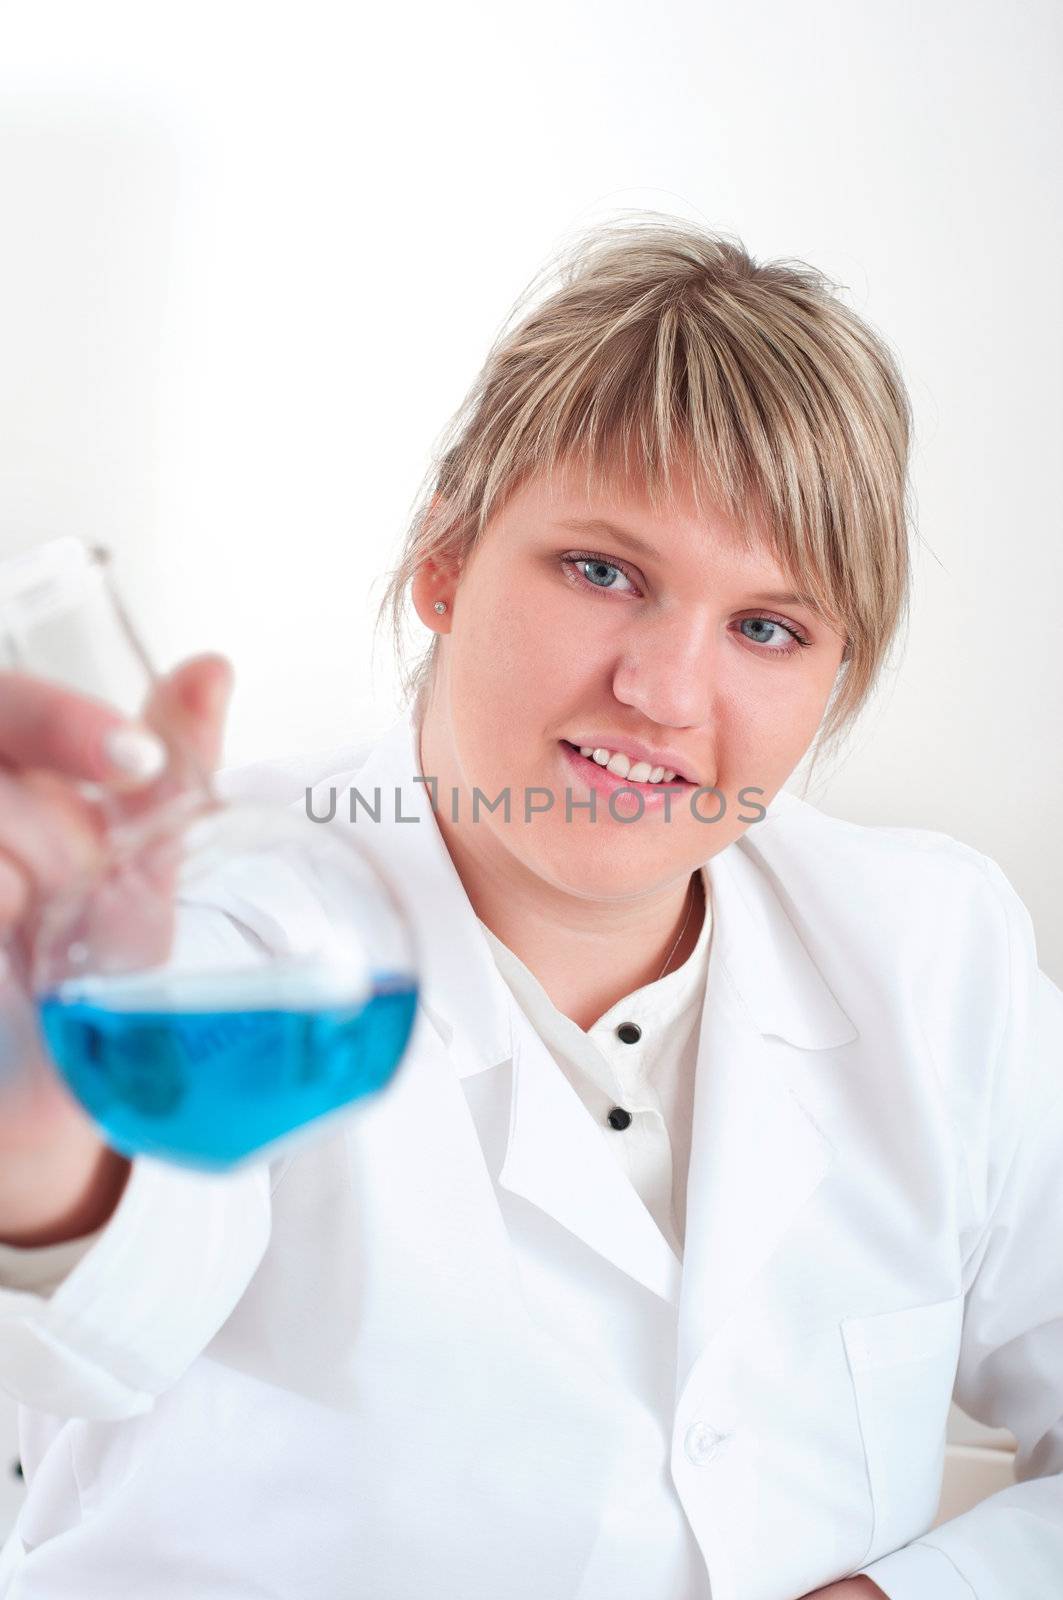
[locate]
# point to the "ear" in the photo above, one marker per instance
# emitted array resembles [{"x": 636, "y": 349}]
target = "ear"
[{"x": 433, "y": 581}]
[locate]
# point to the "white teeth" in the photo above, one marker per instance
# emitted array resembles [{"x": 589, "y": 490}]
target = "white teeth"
[{"x": 622, "y": 766}]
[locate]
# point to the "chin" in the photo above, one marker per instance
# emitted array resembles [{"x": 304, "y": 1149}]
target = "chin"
[{"x": 594, "y": 863}]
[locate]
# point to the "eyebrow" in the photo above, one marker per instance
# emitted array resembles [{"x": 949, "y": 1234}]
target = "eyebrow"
[{"x": 612, "y": 530}]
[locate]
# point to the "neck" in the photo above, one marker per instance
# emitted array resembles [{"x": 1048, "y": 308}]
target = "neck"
[
  {"x": 589, "y": 962},
  {"x": 587, "y": 953}
]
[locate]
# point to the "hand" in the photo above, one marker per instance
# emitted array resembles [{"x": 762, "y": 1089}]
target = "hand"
[
  {"x": 51, "y": 835},
  {"x": 861, "y": 1588}
]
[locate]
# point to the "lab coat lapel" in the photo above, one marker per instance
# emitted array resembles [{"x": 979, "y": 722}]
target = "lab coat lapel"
[
  {"x": 557, "y": 1159},
  {"x": 459, "y": 987},
  {"x": 757, "y": 1155}
]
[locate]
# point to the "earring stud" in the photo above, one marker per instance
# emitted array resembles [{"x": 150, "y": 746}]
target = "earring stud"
[{"x": 441, "y": 605}]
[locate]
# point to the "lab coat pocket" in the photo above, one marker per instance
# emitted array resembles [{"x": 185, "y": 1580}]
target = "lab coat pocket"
[{"x": 903, "y": 1367}]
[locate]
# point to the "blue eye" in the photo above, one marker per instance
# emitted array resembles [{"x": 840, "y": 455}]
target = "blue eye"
[
  {"x": 793, "y": 638},
  {"x": 597, "y": 572}
]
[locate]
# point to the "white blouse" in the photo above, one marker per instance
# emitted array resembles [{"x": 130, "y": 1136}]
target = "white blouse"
[{"x": 639, "y": 1058}]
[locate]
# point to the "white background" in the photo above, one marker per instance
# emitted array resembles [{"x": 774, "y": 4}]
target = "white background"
[{"x": 252, "y": 256}]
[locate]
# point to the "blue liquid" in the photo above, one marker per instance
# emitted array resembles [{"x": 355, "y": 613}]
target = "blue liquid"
[{"x": 209, "y": 1088}]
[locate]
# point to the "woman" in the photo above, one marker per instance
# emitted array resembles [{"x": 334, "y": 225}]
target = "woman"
[{"x": 726, "y": 1148}]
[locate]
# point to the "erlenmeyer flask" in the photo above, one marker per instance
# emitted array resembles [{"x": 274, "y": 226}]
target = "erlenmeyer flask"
[{"x": 236, "y": 971}]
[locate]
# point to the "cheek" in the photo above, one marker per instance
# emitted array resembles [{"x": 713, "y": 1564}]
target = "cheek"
[
  {"x": 502, "y": 683},
  {"x": 770, "y": 729},
  {"x": 514, "y": 661}
]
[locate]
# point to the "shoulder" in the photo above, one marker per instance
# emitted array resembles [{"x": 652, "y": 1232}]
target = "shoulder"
[
  {"x": 801, "y": 822},
  {"x": 910, "y": 908},
  {"x": 284, "y": 779},
  {"x": 906, "y": 867}
]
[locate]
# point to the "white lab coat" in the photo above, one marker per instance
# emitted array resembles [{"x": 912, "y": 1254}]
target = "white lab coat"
[{"x": 444, "y": 1349}]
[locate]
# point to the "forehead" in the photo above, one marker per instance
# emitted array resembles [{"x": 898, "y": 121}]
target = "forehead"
[{"x": 651, "y": 525}]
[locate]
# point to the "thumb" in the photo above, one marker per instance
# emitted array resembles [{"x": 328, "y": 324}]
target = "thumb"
[{"x": 189, "y": 707}]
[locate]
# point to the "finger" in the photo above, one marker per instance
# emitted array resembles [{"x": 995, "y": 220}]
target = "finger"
[
  {"x": 49, "y": 839},
  {"x": 47, "y": 827},
  {"x": 44, "y": 724},
  {"x": 126, "y": 925},
  {"x": 14, "y": 893},
  {"x": 35, "y": 1105},
  {"x": 190, "y": 704},
  {"x": 187, "y": 709}
]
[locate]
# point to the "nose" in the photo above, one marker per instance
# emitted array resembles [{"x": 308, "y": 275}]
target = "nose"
[{"x": 668, "y": 668}]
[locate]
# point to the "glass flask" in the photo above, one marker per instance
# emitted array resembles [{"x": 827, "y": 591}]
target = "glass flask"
[{"x": 235, "y": 971}]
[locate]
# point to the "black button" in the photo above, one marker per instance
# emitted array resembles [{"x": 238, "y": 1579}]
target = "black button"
[
  {"x": 16, "y": 1469},
  {"x": 619, "y": 1118},
  {"x": 630, "y": 1032}
]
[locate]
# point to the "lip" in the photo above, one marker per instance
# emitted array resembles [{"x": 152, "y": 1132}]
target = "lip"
[
  {"x": 606, "y": 783},
  {"x": 661, "y": 756}
]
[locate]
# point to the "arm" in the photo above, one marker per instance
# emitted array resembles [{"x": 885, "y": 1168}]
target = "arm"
[
  {"x": 148, "y": 1291},
  {"x": 1010, "y": 1371},
  {"x": 43, "y": 1267},
  {"x": 143, "y": 1301},
  {"x": 61, "y": 1191},
  {"x": 58, "y": 1181},
  {"x": 848, "y": 1589}
]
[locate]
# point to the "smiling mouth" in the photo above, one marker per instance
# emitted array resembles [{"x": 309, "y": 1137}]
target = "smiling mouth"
[{"x": 678, "y": 782}]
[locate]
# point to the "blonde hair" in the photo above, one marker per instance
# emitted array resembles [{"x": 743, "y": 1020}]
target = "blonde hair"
[{"x": 668, "y": 343}]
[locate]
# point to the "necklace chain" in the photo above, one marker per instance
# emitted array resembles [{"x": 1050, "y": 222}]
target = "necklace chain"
[{"x": 683, "y": 929}]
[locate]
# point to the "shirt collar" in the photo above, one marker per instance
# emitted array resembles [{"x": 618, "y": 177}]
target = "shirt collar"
[{"x": 654, "y": 1006}]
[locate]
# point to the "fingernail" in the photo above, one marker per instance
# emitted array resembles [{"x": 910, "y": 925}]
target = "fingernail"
[{"x": 135, "y": 752}]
